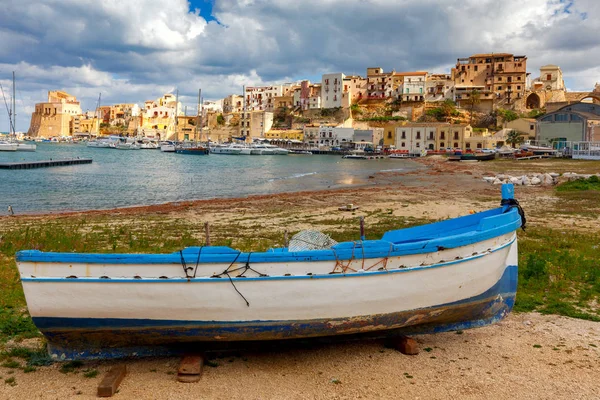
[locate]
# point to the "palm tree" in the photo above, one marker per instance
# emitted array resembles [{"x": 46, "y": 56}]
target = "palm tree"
[
  {"x": 514, "y": 138},
  {"x": 474, "y": 99}
]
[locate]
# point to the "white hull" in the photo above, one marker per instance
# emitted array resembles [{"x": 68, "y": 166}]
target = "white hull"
[
  {"x": 407, "y": 286},
  {"x": 26, "y": 147},
  {"x": 167, "y": 148},
  {"x": 8, "y": 146}
]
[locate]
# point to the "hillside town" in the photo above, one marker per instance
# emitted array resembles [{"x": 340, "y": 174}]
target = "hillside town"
[{"x": 485, "y": 97}]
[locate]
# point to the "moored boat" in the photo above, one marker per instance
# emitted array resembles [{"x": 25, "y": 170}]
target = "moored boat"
[
  {"x": 455, "y": 274},
  {"x": 8, "y": 146},
  {"x": 478, "y": 156}
]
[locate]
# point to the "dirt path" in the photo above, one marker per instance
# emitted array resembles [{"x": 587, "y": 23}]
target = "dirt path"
[{"x": 527, "y": 356}]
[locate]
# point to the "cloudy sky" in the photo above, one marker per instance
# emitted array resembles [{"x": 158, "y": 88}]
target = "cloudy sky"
[{"x": 135, "y": 50}]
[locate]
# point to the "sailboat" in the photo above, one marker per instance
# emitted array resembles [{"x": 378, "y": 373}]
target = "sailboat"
[
  {"x": 13, "y": 144},
  {"x": 191, "y": 147}
]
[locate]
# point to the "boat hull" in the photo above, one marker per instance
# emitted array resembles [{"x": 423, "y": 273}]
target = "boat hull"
[{"x": 146, "y": 313}]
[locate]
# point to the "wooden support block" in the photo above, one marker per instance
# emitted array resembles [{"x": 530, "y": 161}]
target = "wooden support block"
[
  {"x": 190, "y": 368},
  {"x": 113, "y": 378},
  {"x": 405, "y": 345}
]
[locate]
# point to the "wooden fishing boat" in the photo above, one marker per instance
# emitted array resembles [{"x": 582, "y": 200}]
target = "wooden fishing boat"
[
  {"x": 455, "y": 274},
  {"x": 478, "y": 156}
]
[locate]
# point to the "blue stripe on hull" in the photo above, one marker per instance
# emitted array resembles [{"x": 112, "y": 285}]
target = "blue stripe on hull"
[{"x": 86, "y": 338}]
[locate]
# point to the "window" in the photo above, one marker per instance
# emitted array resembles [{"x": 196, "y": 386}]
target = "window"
[
  {"x": 518, "y": 87},
  {"x": 418, "y": 134},
  {"x": 479, "y": 145},
  {"x": 549, "y": 77},
  {"x": 442, "y": 136},
  {"x": 475, "y": 68},
  {"x": 455, "y": 145},
  {"x": 576, "y": 118},
  {"x": 431, "y": 135},
  {"x": 442, "y": 145},
  {"x": 518, "y": 78},
  {"x": 499, "y": 87},
  {"x": 499, "y": 79},
  {"x": 562, "y": 117},
  {"x": 389, "y": 134},
  {"x": 531, "y": 127},
  {"x": 456, "y": 135},
  {"x": 403, "y": 135},
  {"x": 468, "y": 145},
  {"x": 403, "y": 144},
  {"x": 418, "y": 144}
]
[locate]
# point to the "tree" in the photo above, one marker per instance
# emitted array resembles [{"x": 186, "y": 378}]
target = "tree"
[
  {"x": 220, "y": 119},
  {"x": 514, "y": 138},
  {"x": 474, "y": 99},
  {"x": 507, "y": 115}
]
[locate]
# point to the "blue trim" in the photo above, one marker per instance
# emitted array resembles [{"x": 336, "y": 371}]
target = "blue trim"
[
  {"x": 88, "y": 338},
  {"x": 417, "y": 240},
  {"x": 268, "y": 278}
]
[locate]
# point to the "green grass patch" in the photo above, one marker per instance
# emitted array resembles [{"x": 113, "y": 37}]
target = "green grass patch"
[
  {"x": 90, "y": 373},
  {"x": 70, "y": 366},
  {"x": 591, "y": 183}
]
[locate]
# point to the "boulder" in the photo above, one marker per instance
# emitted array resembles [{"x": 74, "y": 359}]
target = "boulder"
[
  {"x": 515, "y": 180},
  {"x": 489, "y": 179},
  {"x": 554, "y": 174},
  {"x": 525, "y": 180},
  {"x": 497, "y": 182},
  {"x": 547, "y": 180},
  {"x": 536, "y": 181}
]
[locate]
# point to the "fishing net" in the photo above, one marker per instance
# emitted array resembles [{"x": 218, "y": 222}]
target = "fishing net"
[{"x": 310, "y": 240}]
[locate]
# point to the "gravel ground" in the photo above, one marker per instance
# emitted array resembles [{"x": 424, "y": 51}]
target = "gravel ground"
[{"x": 526, "y": 356}]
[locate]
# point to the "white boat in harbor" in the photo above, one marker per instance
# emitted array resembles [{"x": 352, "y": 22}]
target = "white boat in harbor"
[
  {"x": 26, "y": 146},
  {"x": 245, "y": 150},
  {"x": 225, "y": 149},
  {"x": 450, "y": 275},
  {"x": 167, "y": 147},
  {"x": 127, "y": 146},
  {"x": 8, "y": 146}
]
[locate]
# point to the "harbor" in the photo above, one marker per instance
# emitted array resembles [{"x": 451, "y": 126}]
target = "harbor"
[{"x": 259, "y": 222}]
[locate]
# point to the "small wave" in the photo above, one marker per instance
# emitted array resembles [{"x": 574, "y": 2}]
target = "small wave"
[
  {"x": 295, "y": 176},
  {"x": 393, "y": 170}
]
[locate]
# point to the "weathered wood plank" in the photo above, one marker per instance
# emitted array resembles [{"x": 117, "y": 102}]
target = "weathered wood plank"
[
  {"x": 112, "y": 380},
  {"x": 190, "y": 368},
  {"x": 405, "y": 345}
]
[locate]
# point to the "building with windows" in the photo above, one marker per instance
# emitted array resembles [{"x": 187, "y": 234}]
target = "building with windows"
[
  {"x": 332, "y": 91},
  {"x": 262, "y": 98},
  {"x": 380, "y": 85},
  {"x": 411, "y": 86},
  {"x": 54, "y": 118},
  {"x": 233, "y": 103},
  {"x": 525, "y": 126},
  {"x": 357, "y": 87},
  {"x": 572, "y": 123},
  {"x": 439, "y": 87},
  {"x": 334, "y": 137},
  {"x": 500, "y": 79},
  {"x": 433, "y": 136},
  {"x": 254, "y": 124}
]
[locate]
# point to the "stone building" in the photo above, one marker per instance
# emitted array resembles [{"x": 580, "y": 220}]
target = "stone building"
[
  {"x": 357, "y": 87},
  {"x": 254, "y": 124},
  {"x": 500, "y": 79},
  {"x": 439, "y": 87},
  {"x": 411, "y": 86},
  {"x": 434, "y": 136},
  {"x": 379, "y": 83},
  {"x": 54, "y": 117},
  {"x": 261, "y": 98},
  {"x": 233, "y": 103}
]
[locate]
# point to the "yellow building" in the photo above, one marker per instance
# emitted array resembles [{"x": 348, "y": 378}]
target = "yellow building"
[
  {"x": 88, "y": 125},
  {"x": 285, "y": 134},
  {"x": 389, "y": 133},
  {"x": 480, "y": 140},
  {"x": 54, "y": 118}
]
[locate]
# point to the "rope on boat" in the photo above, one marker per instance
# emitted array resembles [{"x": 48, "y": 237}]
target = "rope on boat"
[
  {"x": 245, "y": 268},
  {"x": 186, "y": 268},
  {"x": 513, "y": 203},
  {"x": 345, "y": 267}
]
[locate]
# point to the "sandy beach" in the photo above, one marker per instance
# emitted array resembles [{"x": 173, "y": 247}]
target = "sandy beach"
[{"x": 526, "y": 356}]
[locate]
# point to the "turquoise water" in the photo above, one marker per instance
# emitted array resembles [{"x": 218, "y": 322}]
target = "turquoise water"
[{"x": 119, "y": 178}]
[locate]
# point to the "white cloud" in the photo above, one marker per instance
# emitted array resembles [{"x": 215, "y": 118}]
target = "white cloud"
[{"x": 132, "y": 51}]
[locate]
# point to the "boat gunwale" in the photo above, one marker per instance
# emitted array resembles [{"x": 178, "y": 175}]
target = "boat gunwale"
[
  {"x": 215, "y": 279},
  {"x": 384, "y": 249}
]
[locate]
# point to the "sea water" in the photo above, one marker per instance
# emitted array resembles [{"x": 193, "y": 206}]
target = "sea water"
[{"x": 121, "y": 178}]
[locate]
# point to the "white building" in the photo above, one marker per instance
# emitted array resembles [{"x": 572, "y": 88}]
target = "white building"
[
  {"x": 416, "y": 137},
  {"x": 413, "y": 86},
  {"x": 332, "y": 90},
  {"x": 262, "y": 98},
  {"x": 332, "y": 136},
  {"x": 439, "y": 87}
]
